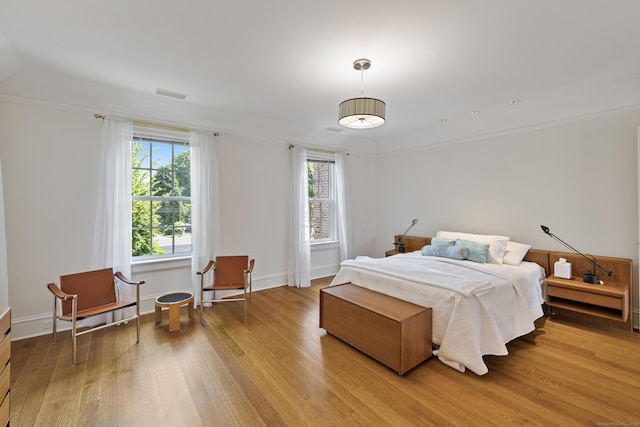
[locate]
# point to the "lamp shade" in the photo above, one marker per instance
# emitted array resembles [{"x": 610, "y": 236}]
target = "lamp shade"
[{"x": 361, "y": 113}]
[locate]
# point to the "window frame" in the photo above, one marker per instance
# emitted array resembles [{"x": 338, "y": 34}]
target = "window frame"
[
  {"x": 157, "y": 136},
  {"x": 329, "y": 158}
]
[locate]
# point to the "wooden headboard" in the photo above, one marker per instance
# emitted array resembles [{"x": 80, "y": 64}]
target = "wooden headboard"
[
  {"x": 412, "y": 243},
  {"x": 539, "y": 256},
  {"x": 621, "y": 267}
]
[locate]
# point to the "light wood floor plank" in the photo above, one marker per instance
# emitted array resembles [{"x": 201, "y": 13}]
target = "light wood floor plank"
[{"x": 280, "y": 369}]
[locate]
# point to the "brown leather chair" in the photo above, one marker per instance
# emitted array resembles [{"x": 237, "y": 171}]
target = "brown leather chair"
[
  {"x": 229, "y": 273},
  {"x": 90, "y": 293}
]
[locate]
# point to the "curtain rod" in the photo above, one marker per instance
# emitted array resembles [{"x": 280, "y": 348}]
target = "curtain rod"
[
  {"x": 153, "y": 125},
  {"x": 319, "y": 150}
]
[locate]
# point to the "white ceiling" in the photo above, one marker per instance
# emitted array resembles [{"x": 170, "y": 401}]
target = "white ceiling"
[{"x": 279, "y": 69}]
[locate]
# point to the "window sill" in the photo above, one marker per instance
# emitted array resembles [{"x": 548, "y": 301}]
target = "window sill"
[
  {"x": 326, "y": 245},
  {"x": 160, "y": 264}
]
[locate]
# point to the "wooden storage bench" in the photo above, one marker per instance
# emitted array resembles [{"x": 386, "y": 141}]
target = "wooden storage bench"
[{"x": 394, "y": 332}]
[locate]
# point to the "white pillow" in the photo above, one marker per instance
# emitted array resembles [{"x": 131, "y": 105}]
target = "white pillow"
[
  {"x": 497, "y": 244},
  {"x": 515, "y": 253}
]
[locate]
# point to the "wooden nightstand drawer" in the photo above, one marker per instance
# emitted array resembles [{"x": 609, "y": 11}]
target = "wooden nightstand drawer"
[
  {"x": 5, "y": 321},
  {"x": 615, "y": 302},
  {"x": 5, "y": 382},
  {"x": 4, "y": 410},
  {"x": 5, "y": 350}
]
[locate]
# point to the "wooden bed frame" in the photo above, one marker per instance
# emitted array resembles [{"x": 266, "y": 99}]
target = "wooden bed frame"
[{"x": 573, "y": 298}]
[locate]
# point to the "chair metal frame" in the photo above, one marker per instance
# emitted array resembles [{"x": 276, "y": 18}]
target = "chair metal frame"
[
  {"x": 211, "y": 266},
  {"x": 74, "y": 315}
]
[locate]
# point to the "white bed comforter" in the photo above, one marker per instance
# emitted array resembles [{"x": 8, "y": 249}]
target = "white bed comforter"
[{"x": 477, "y": 308}]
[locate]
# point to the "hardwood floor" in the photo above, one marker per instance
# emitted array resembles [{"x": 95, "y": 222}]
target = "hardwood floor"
[{"x": 280, "y": 368}]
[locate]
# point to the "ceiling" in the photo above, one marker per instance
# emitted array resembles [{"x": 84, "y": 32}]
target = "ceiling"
[{"x": 279, "y": 69}]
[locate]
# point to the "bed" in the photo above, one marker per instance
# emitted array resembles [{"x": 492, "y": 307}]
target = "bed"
[{"x": 478, "y": 307}]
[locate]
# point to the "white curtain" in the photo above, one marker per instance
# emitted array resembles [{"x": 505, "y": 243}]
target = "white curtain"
[
  {"x": 299, "y": 236},
  {"x": 4, "y": 274},
  {"x": 112, "y": 230},
  {"x": 342, "y": 207},
  {"x": 205, "y": 217}
]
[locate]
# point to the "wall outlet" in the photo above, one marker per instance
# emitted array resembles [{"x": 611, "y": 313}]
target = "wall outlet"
[{"x": 47, "y": 324}]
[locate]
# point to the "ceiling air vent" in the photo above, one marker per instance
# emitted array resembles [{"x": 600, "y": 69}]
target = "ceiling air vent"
[{"x": 170, "y": 94}]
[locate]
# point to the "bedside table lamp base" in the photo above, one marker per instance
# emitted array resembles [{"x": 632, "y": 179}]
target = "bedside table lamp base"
[
  {"x": 399, "y": 243},
  {"x": 591, "y": 278}
]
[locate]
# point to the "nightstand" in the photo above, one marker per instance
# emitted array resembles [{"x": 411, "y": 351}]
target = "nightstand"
[
  {"x": 590, "y": 301},
  {"x": 411, "y": 243},
  {"x": 603, "y": 305}
]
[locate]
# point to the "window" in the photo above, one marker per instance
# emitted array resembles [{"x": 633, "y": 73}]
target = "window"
[
  {"x": 161, "y": 198},
  {"x": 322, "y": 213}
]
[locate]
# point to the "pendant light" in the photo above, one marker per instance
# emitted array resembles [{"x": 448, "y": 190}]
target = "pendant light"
[{"x": 362, "y": 112}]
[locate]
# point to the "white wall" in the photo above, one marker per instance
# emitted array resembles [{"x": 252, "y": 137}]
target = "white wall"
[
  {"x": 579, "y": 179},
  {"x": 49, "y": 155}
]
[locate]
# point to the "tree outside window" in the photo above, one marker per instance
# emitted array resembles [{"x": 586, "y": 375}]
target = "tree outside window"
[{"x": 161, "y": 193}]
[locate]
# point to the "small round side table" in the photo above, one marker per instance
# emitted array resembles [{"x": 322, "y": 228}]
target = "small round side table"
[{"x": 174, "y": 301}]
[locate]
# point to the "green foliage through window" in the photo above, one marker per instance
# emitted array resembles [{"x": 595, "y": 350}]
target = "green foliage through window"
[{"x": 161, "y": 193}]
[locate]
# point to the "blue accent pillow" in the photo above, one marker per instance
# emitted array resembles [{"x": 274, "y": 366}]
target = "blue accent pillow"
[
  {"x": 477, "y": 251},
  {"x": 445, "y": 251},
  {"x": 436, "y": 241}
]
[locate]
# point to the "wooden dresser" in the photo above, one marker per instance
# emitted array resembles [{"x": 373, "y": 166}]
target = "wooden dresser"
[
  {"x": 5, "y": 363},
  {"x": 394, "y": 332}
]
